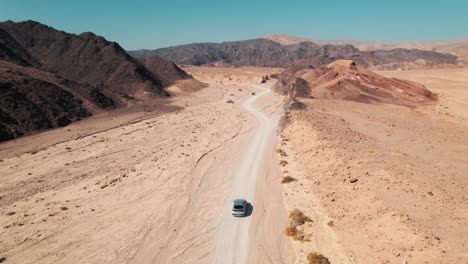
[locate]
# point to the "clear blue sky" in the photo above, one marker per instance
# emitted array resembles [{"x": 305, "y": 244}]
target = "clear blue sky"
[{"x": 136, "y": 24}]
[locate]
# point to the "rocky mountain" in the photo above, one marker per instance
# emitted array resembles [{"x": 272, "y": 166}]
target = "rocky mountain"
[
  {"x": 29, "y": 102},
  {"x": 85, "y": 58},
  {"x": 10, "y": 50},
  {"x": 435, "y": 45},
  {"x": 50, "y": 78},
  {"x": 345, "y": 80},
  {"x": 264, "y": 52},
  {"x": 166, "y": 71},
  {"x": 256, "y": 52}
]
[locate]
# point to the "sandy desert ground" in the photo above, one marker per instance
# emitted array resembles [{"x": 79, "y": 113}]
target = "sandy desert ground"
[
  {"x": 249, "y": 75},
  {"x": 381, "y": 183}
]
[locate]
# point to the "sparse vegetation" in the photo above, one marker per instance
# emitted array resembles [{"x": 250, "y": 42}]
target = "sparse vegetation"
[
  {"x": 281, "y": 152},
  {"x": 317, "y": 258},
  {"x": 297, "y": 218},
  {"x": 283, "y": 163},
  {"x": 288, "y": 179},
  {"x": 290, "y": 231},
  {"x": 229, "y": 101},
  {"x": 302, "y": 237},
  {"x": 252, "y": 93}
]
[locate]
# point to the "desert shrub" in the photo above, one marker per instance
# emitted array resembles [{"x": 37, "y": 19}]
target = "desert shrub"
[
  {"x": 281, "y": 152},
  {"x": 283, "y": 163},
  {"x": 297, "y": 218},
  {"x": 288, "y": 179},
  {"x": 290, "y": 231},
  {"x": 317, "y": 258},
  {"x": 301, "y": 237}
]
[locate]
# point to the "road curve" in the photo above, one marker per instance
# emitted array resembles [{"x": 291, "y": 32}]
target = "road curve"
[{"x": 232, "y": 244}]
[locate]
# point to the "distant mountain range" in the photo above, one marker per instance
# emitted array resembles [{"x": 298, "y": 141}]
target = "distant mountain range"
[
  {"x": 279, "y": 52},
  {"x": 49, "y": 78},
  {"x": 434, "y": 45}
]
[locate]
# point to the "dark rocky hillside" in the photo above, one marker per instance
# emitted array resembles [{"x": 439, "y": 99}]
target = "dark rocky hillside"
[
  {"x": 28, "y": 104},
  {"x": 11, "y": 51},
  {"x": 264, "y": 52},
  {"x": 166, "y": 71},
  {"x": 50, "y": 78},
  {"x": 85, "y": 58}
]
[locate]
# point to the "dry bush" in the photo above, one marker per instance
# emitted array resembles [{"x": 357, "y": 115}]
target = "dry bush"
[
  {"x": 295, "y": 234},
  {"x": 290, "y": 231},
  {"x": 253, "y": 93},
  {"x": 317, "y": 258},
  {"x": 297, "y": 218},
  {"x": 281, "y": 152},
  {"x": 288, "y": 179},
  {"x": 283, "y": 163},
  {"x": 301, "y": 237}
]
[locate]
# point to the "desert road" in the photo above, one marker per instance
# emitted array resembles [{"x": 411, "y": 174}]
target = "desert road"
[{"x": 234, "y": 236}]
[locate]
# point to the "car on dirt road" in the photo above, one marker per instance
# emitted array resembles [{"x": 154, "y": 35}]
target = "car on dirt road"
[{"x": 239, "y": 207}]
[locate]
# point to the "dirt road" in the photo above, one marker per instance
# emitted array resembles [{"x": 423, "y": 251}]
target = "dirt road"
[{"x": 233, "y": 234}]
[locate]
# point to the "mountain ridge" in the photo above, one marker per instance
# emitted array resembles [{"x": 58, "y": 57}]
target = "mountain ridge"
[
  {"x": 268, "y": 53},
  {"x": 367, "y": 45}
]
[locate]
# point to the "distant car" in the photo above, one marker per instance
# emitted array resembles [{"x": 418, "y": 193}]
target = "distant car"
[{"x": 239, "y": 207}]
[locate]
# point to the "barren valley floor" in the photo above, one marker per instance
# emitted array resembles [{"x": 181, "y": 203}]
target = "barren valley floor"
[{"x": 381, "y": 183}]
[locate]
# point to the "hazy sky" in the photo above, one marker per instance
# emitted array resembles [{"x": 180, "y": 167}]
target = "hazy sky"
[{"x": 153, "y": 24}]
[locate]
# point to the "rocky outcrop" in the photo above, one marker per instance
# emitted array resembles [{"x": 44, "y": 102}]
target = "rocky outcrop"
[{"x": 345, "y": 80}]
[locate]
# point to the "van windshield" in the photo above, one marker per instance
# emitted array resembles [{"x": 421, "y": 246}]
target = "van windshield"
[{"x": 238, "y": 206}]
